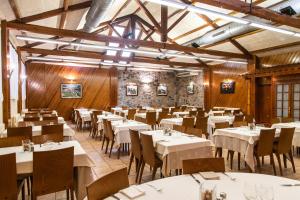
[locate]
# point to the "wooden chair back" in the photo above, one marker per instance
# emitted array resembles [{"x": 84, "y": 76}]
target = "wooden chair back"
[
  {"x": 201, "y": 123},
  {"x": 165, "y": 109},
  {"x": 188, "y": 121},
  {"x": 136, "y": 147},
  {"x": 201, "y": 113},
  {"x": 287, "y": 119},
  {"x": 105, "y": 132},
  {"x": 53, "y": 129},
  {"x": 139, "y": 107},
  {"x": 110, "y": 132},
  {"x": 108, "y": 185},
  {"x": 249, "y": 118},
  {"x": 219, "y": 125},
  {"x": 151, "y": 118},
  {"x": 54, "y": 137},
  {"x": 238, "y": 118},
  {"x": 285, "y": 140},
  {"x": 122, "y": 114},
  {"x": 236, "y": 112},
  {"x": 52, "y": 171},
  {"x": 8, "y": 174},
  {"x": 203, "y": 165},
  {"x": 50, "y": 118},
  {"x": 239, "y": 123},
  {"x": 12, "y": 141},
  {"x": 179, "y": 128},
  {"x": 264, "y": 145},
  {"x": 148, "y": 149},
  {"x": 19, "y": 131},
  {"x": 195, "y": 131},
  {"x": 31, "y": 119},
  {"x": 162, "y": 115},
  {"x": 193, "y": 113},
  {"x": 124, "y": 107},
  {"x": 131, "y": 113}
]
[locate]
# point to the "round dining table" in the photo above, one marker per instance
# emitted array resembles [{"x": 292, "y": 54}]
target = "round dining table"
[{"x": 235, "y": 186}]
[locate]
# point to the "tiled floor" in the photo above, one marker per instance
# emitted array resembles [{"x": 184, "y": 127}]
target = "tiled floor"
[{"x": 104, "y": 164}]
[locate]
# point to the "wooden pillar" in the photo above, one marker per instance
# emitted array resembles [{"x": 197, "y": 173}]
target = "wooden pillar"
[
  {"x": 113, "y": 73},
  {"x": 5, "y": 71},
  {"x": 253, "y": 64},
  {"x": 20, "y": 82},
  {"x": 207, "y": 88},
  {"x": 164, "y": 23}
]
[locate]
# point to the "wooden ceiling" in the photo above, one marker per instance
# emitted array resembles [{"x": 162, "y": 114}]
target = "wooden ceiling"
[{"x": 160, "y": 28}]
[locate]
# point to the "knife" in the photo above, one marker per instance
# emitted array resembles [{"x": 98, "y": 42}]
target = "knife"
[
  {"x": 295, "y": 184},
  {"x": 195, "y": 179}
]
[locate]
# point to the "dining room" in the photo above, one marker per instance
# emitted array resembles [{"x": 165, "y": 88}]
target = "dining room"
[{"x": 150, "y": 99}]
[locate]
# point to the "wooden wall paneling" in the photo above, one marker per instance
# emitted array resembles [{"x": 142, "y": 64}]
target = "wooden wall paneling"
[
  {"x": 44, "y": 83},
  {"x": 264, "y": 100},
  {"x": 233, "y": 72},
  {"x": 113, "y": 87},
  {"x": 19, "y": 82},
  {"x": 5, "y": 71},
  {"x": 207, "y": 88}
]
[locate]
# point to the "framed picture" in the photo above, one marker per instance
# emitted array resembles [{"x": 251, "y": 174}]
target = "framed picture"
[
  {"x": 227, "y": 87},
  {"x": 162, "y": 90},
  {"x": 71, "y": 91},
  {"x": 190, "y": 89},
  {"x": 131, "y": 90}
]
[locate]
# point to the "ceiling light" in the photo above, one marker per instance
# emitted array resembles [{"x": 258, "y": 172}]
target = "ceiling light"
[
  {"x": 271, "y": 28},
  {"x": 44, "y": 40},
  {"x": 297, "y": 34},
  {"x": 173, "y": 4}
]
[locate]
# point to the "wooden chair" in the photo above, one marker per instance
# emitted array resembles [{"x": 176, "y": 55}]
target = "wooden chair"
[
  {"x": 248, "y": 118},
  {"x": 46, "y": 112},
  {"x": 239, "y": 118},
  {"x": 53, "y": 129},
  {"x": 124, "y": 107},
  {"x": 284, "y": 146},
  {"x": 19, "y": 131},
  {"x": 9, "y": 185},
  {"x": 203, "y": 165},
  {"x": 192, "y": 113},
  {"x": 179, "y": 128},
  {"x": 188, "y": 122},
  {"x": 151, "y": 119},
  {"x": 165, "y": 109},
  {"x": 54, "y": 137},
  {"x": 13, "y": 141},
  {"x": 105, "y": 134},
  {"x": 78, "y": 120},
  {"x": 111, "y": 139},
  {"x": 200, "y": 113},
  {"x": 275, "y": 120},
  {"x": 237, "y": 112},
  {"x": 218, "y": 114},
  {"x": 264, "y": 147},
  {"x": 131, "y": 113},
  {"x": 149, "y": 156},
  {"x": 162, "y": 115},
  {"x": 239, "y": 123},
  {"x": 183, "y": 108},
  {"x": 53, "y": 172},
  {"x": 195, "y": 131},
  {"x": 31, "y": 119},
  {"x": 201, "y": 123},
  {"x": 94, "y": 122},
  {"x": 136, "y": 152},
  {"x": 50, "y": 118},
  {"x": 287, "y": 119},
  {"x": 108, "y": 185}
]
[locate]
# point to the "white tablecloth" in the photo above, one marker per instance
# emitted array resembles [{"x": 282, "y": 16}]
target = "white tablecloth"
[
  {"x": 296, "y": 138},
  {"x": 121, "y": 130},
  {"x": 61, "y": 120},
  {"x": 177, "y": 114},
  {"x": 178, "y": 147},
  {"x": 82, "y": 163},
  {"x": 227, "y": 108},
  {"x": 168, "y": 123},
  {"x": 109, "y": 117},
  {"x": 215, "y": 119},
  {"x": 239, "y": 139},
  {"x": 185, "y": 187},
  {"x": 37, "y": 130}
]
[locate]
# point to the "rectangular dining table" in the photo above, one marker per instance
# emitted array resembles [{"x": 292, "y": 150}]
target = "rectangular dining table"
[
  {"x": 175, "y": 148},
  {"x": 239, "y": 139},
  {"x": 296, "y": 138},
  {"x": 169, "y": 122},
  {"x": 109, "y": 117},
  {"x": 82, "y": 163}
]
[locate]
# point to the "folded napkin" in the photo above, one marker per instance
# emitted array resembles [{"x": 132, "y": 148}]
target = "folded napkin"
[
  {"x": 210, "y": 175},
  {"x": 132, "y": 192}
]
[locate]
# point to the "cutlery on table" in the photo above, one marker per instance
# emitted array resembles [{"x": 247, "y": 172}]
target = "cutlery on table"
[
  {"x": 192, "y": 175},
  {"x": 154, "y": 187},
  {"x": 291, "y": 184}
]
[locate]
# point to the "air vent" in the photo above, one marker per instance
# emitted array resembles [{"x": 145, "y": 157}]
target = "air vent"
[
  {"x": 288, "y": 11},
  {"x": 218, "y": 33}
]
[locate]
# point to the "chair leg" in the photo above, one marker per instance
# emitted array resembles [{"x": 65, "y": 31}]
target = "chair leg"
[
  {"x": 130, "y": 162},
  {"x": 103, "y": 143},
  {"x": 68, "y": 194},
  {"x": 72, "y": 193},
  {"x": 119, "y": 150},
  {"x": 154, "y": 172},
  {"x": 141, "y": 172},
  {"x": 23, "y": 192},
  {"x": 284, "y": 161},
  {"x": 258, "y": 163},
  {"x": 273, "y": 163},
  {"x": 107, "y": 143},
  {"x": 231, "y": 153},
  {"x": 292, "y": 160},
  {"x": 139, "y": 162},
  {"x": 279, "y": 163},
  {"x": 111, "y": 146}
]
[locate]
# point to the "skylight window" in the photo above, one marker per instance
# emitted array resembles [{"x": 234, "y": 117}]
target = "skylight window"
[
  {"x": 111, "y": 53},
  {"x": 126, "y": 54}
]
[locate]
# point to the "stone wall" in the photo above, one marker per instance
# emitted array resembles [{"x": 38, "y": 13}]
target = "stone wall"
[
  {"x": 147, "y": 84},
  {"x": 196, "y": 99}
]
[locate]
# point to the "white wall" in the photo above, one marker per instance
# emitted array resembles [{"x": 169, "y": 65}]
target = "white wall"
[{"x": 14, "y": 77}]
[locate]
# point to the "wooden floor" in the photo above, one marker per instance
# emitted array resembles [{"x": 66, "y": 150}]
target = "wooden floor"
[{"x": 104, "y": 164}]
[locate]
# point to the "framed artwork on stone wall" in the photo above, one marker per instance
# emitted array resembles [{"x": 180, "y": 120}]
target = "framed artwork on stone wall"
[
  {"x": 131, "y": 89},
  {"x": 162, "y": 90},
  {"x": 190, "y": 89}
]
